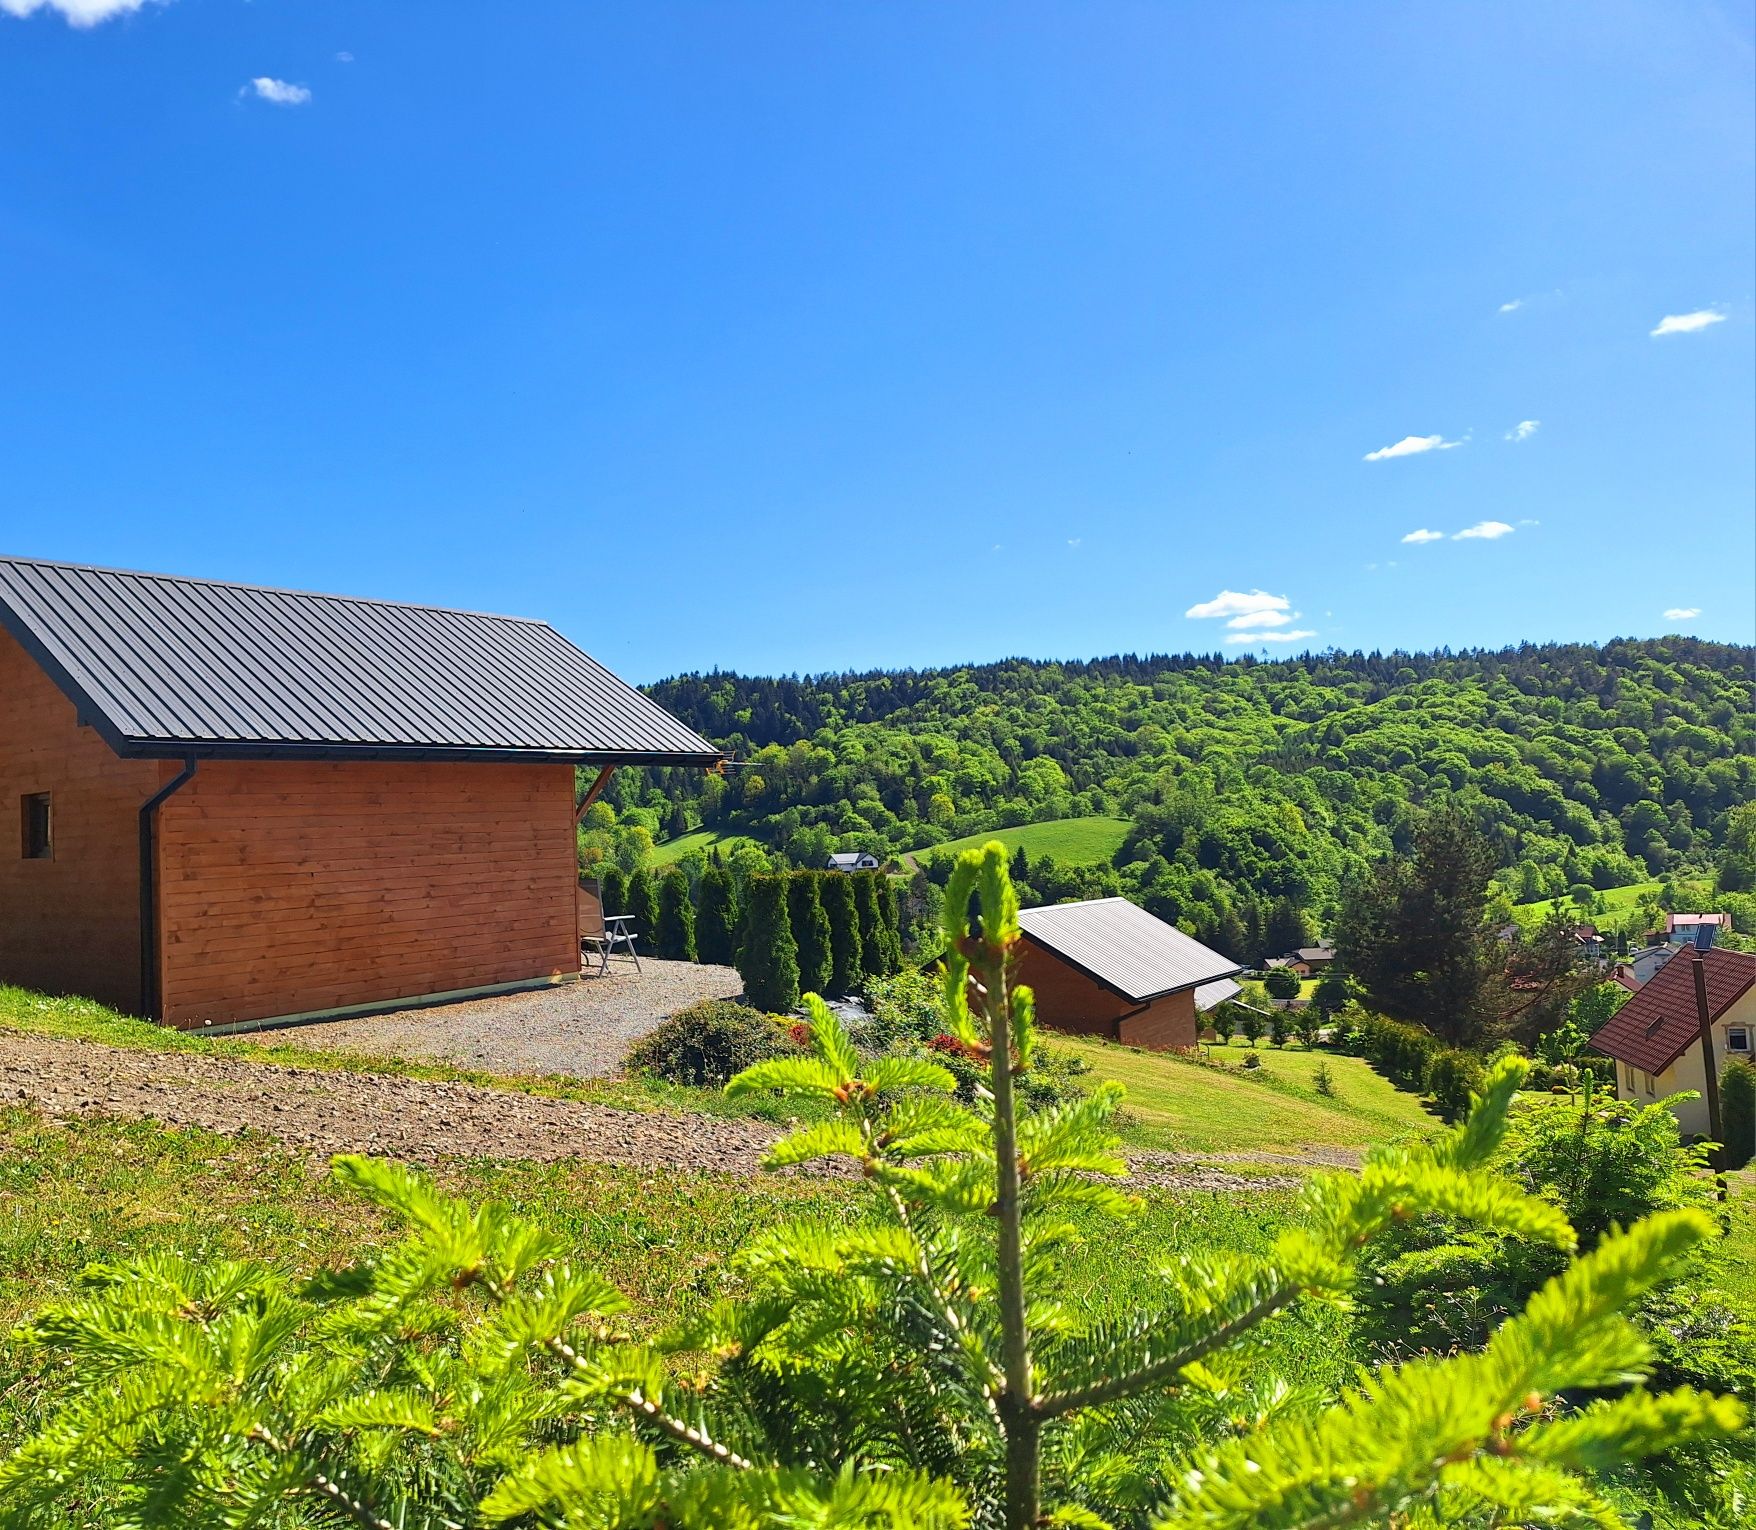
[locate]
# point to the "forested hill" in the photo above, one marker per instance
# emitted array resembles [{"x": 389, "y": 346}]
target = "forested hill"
[{"x": 1245, "y": 780}]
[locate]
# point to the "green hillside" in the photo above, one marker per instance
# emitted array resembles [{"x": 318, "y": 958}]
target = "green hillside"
[
  {"x": 1244, "y": 785},
  {"x": 1619, "y": 905},
  {"x": 703, "y": 840},
  {"x": 1074, "y": 841}
]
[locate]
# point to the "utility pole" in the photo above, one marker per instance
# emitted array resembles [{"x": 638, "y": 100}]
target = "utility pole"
[{"x": 1697, "y": 960}]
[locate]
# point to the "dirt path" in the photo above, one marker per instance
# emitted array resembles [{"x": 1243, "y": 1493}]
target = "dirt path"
[{"x": 420, "y": 1121}]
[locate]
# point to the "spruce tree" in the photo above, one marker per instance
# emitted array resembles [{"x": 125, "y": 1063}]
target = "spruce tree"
[
  {"x": 871, "y": 923},
  {"x": 716, "y": 918},
  {"x": 674, "y": 935},
  {"x": 640, "y": 899},
  {"x": 768, "y": 960},
  {"x": 837, "y": 893},
  {"x": 810, "y": 930},
  {"x": 612, "y": 887}
]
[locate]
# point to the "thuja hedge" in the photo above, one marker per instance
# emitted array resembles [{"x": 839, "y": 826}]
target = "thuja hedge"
[
  {"x": 840, "y": 929},
  {"x": 1418, "y": 1060},
  {"x": 1737, "y": 1093}
]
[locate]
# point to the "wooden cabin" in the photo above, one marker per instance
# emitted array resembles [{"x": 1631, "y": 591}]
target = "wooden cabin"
[
  {"x": 1106, "y": 967},
  {"x": 239, "y": 805}
]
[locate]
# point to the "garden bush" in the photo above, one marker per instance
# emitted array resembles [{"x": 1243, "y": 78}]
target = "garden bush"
[
  {"x": 1452, "y": 1077},
  {"x": 1737, "y": 1107},
  {"x": 708, "y": 1043}
]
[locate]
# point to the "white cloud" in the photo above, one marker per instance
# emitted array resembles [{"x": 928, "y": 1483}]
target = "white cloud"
[
  {"x": 1232, "y": 603},
  {"x": 1271, "y": 637},
  {"x": 1486, "y": 531},
  {"x": 1255, "y": 619},
  {"x": 1682, "y": 613},
  {"x": 79, "y": 13},
  {"x": 1074, "y": 541},
  {"x": 1513, "y": 306},
  {"x": 1424, "y": 535},
  {"x": 1688, "y": 323},
  {"x": 344, "y": 57},
  {"x": 279, "y": 91},
  {"x": 1529, "y": 521},
  {"x": 1523, "y": 430},
  {"x": 1412, "y": 446}
]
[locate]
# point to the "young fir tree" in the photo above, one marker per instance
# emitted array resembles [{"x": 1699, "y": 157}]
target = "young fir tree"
[
  {"x": 674, "y": 934},
  {"x": 640, "y": 899},
  {"x": 613, "y": 886},
  {"x": 925, "y": 1367},
  {"x": 845, "y": 955},
  {"x": 768, "y": 960},
  {"x": 810, "y": 930},
  {"x": 871, "y": 923},
  {"x": 716, "y": 917}
]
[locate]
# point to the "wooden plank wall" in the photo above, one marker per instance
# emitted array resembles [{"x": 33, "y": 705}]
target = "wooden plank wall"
[
  {"x": 288, "y": 887},
  {"x": 70, "y": 924}
]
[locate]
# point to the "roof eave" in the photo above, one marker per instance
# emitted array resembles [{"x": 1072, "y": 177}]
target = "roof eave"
[
  {"x": 225, "y": 749},
  {"x": 1104, "y": 982}
]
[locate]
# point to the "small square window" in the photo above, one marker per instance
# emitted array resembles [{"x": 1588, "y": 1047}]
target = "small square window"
[
  {"x": 34, "y": 820},
  {"x": 1738, "y": 1038}
]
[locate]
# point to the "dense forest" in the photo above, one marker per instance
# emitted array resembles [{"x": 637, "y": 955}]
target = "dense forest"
[{"x": 1246, "y": 783}]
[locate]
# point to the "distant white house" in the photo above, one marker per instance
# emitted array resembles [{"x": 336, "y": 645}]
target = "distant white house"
[
  {"x": 1680, "y": 928},
  {"x": 852, "y": 860},
  {"x": 1635, "y": 970}
]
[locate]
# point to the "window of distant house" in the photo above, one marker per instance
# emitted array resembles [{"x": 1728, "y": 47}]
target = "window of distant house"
[
  {"x": 1628, "y": 1068},
  {"x": 1648, "y": 1078},
  {"x": 1738, "y": 1038},
  {"x": 34, "y": 818}
]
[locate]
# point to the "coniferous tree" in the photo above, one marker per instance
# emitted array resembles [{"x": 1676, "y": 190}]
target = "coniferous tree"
[
  {"x": 716, "y": 918},
  {"x": 1415, "y": 934},
  {"x": 890, "y": 923},
  {"x": 768, "y": 960},
  {"x": 837, "y": 894},
  {"x": 871, "y": 923},
  {"x": 613, "y": 887},
  {"x": 674, "y": 935},
  {"x": 810, "y": 929},
  {"x": 640, "y": 899},
  {"x": 1288, "y": 928}
]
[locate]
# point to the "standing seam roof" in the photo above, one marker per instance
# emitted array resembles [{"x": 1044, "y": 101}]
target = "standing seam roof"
[
  {"x": 1124, "y": 947},
  {"x": 164, "y": 664}
]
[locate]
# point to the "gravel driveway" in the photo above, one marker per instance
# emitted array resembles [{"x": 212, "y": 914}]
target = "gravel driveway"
[
  {"x": 581, "y": 1029},
  {"x": 331, "y": 1111}
]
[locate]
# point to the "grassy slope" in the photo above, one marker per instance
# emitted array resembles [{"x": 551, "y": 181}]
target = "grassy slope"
[
  {"x": 1176, "y": 1103},
  {"x": 699, "y": 839},
  {"x": 95, "y": 1190},
  {"x": 1075, "y": 841},
  {"x": 1619, "y": 903}
]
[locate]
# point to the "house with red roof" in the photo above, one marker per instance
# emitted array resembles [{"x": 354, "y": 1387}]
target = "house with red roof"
[{"x": 1655, "y": 1038}]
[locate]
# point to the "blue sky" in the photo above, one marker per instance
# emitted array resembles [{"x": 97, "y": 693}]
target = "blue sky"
[{"x": 798, "y": 336}]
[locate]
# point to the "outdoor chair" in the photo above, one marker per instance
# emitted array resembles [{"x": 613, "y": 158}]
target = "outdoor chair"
[{"x": 602, "y": 935}]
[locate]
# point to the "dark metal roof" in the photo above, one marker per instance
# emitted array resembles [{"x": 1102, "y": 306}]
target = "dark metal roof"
[
  {"x": 165, "y": 666},
  {"x": 1125, "y": 948},
  {"x": 1662, "y": 1021}
]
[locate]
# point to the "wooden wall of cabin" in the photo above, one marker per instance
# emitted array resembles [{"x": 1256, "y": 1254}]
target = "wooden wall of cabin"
[
  {"x": 287, "y": 887},
  {"x": 70, "y": 922},
  {"x": 1068, "y": 1000}
]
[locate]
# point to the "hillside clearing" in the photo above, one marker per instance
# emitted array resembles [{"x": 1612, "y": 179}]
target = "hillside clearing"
[
  {"x": 1072, "y": 841},
  {"x": 1619, "y": 903},
  {"x": 1188, "y": 1106},
  {"x": 704, "y": 840}
]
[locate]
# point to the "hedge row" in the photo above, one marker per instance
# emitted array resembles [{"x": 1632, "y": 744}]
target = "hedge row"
[{"x": 1418, "y": 1060}]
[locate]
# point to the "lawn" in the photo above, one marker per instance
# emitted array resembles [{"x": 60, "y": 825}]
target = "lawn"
[
  {"x": 697, "y": 839},
  {"x": 1220, "y": 1106},
  {"x": 1619, "y": 903},
  {"x": 1074, "y": 841},
  {"x": 95, "y": 1190}
]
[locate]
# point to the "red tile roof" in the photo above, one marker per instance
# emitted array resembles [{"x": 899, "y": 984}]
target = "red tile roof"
[{"x": 1659, "y": 1024}]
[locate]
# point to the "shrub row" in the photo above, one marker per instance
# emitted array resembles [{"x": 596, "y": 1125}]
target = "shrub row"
[
  {"x": 1737, "y": 1109},
  {"x": 1417, "y": 1059}
]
